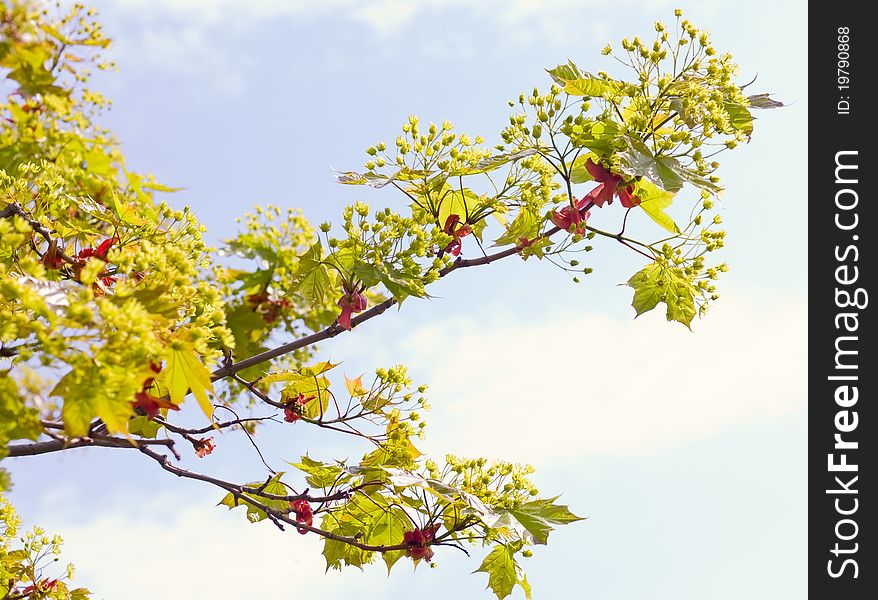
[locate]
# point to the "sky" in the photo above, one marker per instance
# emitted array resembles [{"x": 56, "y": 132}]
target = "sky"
[{"x": 685, "y": 450}]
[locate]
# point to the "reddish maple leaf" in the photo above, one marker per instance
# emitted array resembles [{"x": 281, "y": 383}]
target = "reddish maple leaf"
[
  {"x": 150, "y": 405},
  {"x": 418, "y": 542},
  {"x": 52, "y": 258},
  {"x": 455, "y": 245},
  {"x": 46, "y": 585},
  {"x": 351, "y": 302},
  {"x": 572, "y": 216},
  {"x": 99, "y": 252},
  {"x": 608, "y": 186},
  {"x": 304, "y": 514},
  {"x": 270, "y": 308}
]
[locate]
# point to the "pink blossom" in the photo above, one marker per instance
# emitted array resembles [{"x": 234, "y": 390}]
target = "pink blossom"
[
  {"x": 451, "y": 228},
  {"x": 418, "y": 542},
  {"x": 350, "y": 303},
  {"x": 608, "y": 186}
]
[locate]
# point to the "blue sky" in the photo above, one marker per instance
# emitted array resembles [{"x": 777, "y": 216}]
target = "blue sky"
[{"x": 685, "y": 450}]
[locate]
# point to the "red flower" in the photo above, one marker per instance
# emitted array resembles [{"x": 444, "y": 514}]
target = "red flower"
[
  {"x": 46, "y": 585},
  {"x": 150, "y": 405},
  {"x": 572, "y": 216},
  {"x": 627, "y": 197},
  {"x": 147, "y": 404},
  {"x": 294, "y": 408},
  {"x": 455, "y": 245},
  {"x": 52, "y": 258},
  {"x": 258, "y": 298},
  {"x": 350, "y": 303},
  {"x": 291, "y": 414},
  {"x": 100, "y": 252},
  {"x": 104, "y": 247},
  {"x": 417, "y": 542},
  {"x": 203, "y": 447},
  {"x": 304, "y": 514},
  {"x": 268, "y": 307},
  {"x": 608, "y": 186}
]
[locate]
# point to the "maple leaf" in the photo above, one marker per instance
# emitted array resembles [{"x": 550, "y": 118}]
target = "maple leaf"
[{"x": 184, "y": 373}]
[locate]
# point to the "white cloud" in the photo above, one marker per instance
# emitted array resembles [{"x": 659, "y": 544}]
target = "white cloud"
[
  {"x": 559, "y": 390},
  {"x": 199, "y": 552},
  {"x": 185, "y": 35}
]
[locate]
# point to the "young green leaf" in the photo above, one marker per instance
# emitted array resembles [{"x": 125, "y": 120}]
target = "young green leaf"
[{"x": 184, "y": 373}]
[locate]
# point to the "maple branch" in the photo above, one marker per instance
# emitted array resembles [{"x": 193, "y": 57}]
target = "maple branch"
[
  {"x": 321, "y": 422},
  {"x": 245, "y": 495},
  {"x": 15, "y": 209},
  {"x": 333, "y": 330},
  {"x": 56, "y": 445},
  {"x": 202, "y": 430}
]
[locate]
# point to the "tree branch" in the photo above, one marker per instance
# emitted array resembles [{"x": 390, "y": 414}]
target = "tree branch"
[
  {"x": 334, "y": 329},
  {"x": 36, "y": 448},
  {"x": 15, "y": 209}
]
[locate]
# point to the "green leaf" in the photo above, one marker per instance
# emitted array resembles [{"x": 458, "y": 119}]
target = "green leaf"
[
  {"x": 455, "y": 202},
  {"x": 648, "y": 290},
  {"x": 112, "y": 412},
  {"x": 301, "y": 373},
  {"x": 664, "y": 171},
  {"x": 320, "y": 475},
  {"x": 250, "y": 331},
  {"x": 501, "y": 569},
  {"x": 97, "y": 160},
  {"x": 528, "y": 592},
  {"x": 401, "y": 288},
  {"x": 77, "y": 413},
  {"x": 654, "y": 201},
  {"x": 313, "y": 275},
  {"x": 144, "y": 427},
  {"x": 185, "y": 373},
  {"x": 599, "y": 136},
  {"x": 526, "y": 224},
  {"x": 539, "y": 516},
  {"x": 639, "y": 161},
  {"x": 490, "y": 163},
  {"x": 657, "y": 283},
  {"x": 154, "y": 299},
  {"x": 91, "y": 393},
  {"x": 339, "y": 554},
  {"x": 368, "y": 274},
  {"x": 681, "y": 305},
  {"x": 577, "y": 83},
  {"x": 308, "y": 381},
  {"x": 739, "y": 117},
  {"x": 379, "y": 180},
  {"x": 388, "y": 529},
  {"x": 764, "y": 101},
  {"x": 17, "y": 421},
  {"x": 255, "y": 514},
  {"x": 93, "y": 209},
  {"x": 159, "y": 187}
]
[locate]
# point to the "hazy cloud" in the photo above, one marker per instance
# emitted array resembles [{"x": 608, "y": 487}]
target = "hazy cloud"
[{"x": 577, "y": 385}]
